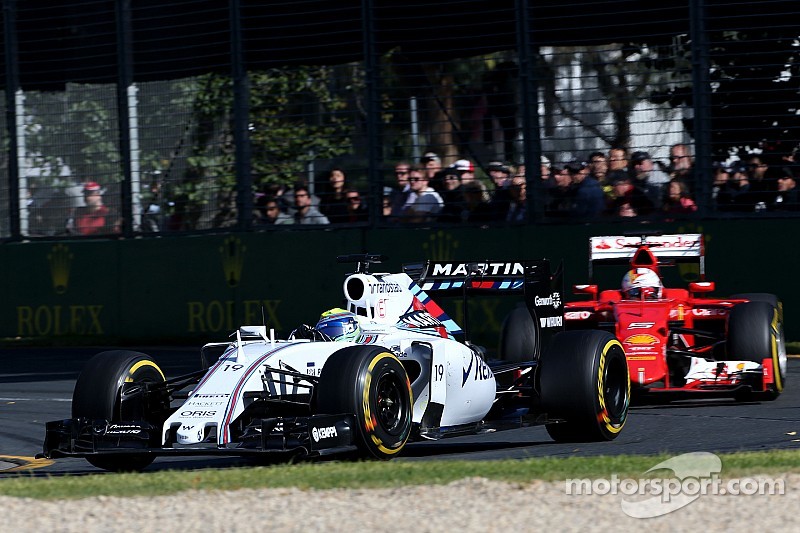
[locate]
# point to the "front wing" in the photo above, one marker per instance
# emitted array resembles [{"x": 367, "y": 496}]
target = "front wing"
[{"x": 307, "y": 436}]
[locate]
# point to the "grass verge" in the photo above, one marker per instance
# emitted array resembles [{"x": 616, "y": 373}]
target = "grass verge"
[{"x": 329, "y": 475}]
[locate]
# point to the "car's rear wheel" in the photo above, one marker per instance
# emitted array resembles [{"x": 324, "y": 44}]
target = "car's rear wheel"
[
  {"x": 371, "y": 383},
  {"x": 518, "y": 336},
  {"x": 98, "y": 393},
  {"x": 755, "y": 333},
  {"x": 584, "y": 382}
]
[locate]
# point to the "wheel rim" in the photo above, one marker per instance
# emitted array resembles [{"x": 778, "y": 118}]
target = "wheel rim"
[
  {"x": 781, "y": 346},
  {"x": 390, "y": 403},
  {"x": 615, "y": 391}
]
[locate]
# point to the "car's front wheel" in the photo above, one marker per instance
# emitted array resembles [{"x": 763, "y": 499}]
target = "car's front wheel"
[
  {"x": 98, "y": 396},
  {"x": 371, "y": 383},
  {"x": 755, "y": 333}
]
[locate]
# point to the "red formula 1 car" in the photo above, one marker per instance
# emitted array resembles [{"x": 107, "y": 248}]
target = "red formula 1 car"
[{"x": 681, "y": 343}]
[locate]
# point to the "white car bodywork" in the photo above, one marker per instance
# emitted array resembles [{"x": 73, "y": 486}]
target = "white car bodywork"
[{"x": 450, "y": 375}]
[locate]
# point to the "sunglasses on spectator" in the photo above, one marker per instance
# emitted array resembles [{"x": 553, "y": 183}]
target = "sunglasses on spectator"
[
  {"x": 415, "y": 178},
  {"x": 353, "y": 198}
]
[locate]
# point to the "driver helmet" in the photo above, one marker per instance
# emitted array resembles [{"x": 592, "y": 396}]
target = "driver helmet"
[
  {"x": 641, "y": 283},
  {"x": 339, "y": 324}
]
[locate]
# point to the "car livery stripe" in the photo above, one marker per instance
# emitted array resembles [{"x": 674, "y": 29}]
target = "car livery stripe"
[
  {"x": 236, "y": 390},
  {"x": 434, "y": 309}
]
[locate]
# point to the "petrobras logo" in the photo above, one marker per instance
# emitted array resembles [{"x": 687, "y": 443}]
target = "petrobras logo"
[
  {"x": 552, "y": 300},
  {"x": 485, "y": 269},
  {"x": 385, "y": 288},
  {"x": 323, "y": 433}
]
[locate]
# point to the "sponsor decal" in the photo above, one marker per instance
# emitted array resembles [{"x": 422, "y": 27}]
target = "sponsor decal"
[
  {"x": 577, "y": 315},
  {"x": 420, "y": 319},
  {"x": 552, "y": 300},
  {"x": 232, "y": 253},
  {"x": 641, "y": 357},
  {"x": 122, "y": 429},
  {"x": 641, "y": 338},
  {"x": 641, "y": 325},
  {"x": 323, "y": 433},
  {"x": 487, "y": 269},
  {"x": 551, "y": 321},
  {"x": 710, "y": 312},
  {"x": 384, "y": 288},
  {"x": 482, "y": 370},
  {"x": 198, "y": 414},
  {"x": 211, "y": 395}
]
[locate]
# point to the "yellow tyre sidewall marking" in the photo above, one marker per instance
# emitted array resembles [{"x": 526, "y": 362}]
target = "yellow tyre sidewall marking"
[
  {"x": 369, "y": 422},
  {"x": 140, "y": 364},
  {"x": 776, "y": 364},
  {"x": 610, "y": 427}
]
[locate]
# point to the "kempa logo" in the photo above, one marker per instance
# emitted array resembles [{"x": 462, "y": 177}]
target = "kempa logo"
[
  {"x": 60, "y": 259},
  {"x": 323, "y": 433},
  {"x": 694, "y": 474},
  {"x": 232, "y": 251}
]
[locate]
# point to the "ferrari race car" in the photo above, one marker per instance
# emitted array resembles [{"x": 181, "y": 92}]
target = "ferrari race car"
[
  {"x": 681, "y": 343},
  {"x": 365, "y": 379}
]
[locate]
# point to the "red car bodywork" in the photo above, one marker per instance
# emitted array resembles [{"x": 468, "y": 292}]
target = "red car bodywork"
[{"x": 675, "y": 345}]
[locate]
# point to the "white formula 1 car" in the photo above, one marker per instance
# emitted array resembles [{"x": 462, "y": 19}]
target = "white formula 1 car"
[{"x": 365, "y": 380}]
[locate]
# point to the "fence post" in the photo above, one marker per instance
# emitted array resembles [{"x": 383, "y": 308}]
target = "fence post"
[
  {"x": 124, "y": 83},
  {"x": 702, "y": 105},
  {"x": 12, "y": 86},
  {"x": 373, "y": 125},
  {"x": 241, "y": 119}
]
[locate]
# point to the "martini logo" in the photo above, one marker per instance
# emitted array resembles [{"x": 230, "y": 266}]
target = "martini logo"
[
  {"x": 232, "y": 252},
  {"x": 641, "y": 338},
  {"x": 60, "y": 259}
]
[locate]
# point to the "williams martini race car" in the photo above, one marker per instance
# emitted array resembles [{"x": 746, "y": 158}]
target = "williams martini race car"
[
  {"x": 679, "y": 342},
  {"x": 366, "y": 379}
]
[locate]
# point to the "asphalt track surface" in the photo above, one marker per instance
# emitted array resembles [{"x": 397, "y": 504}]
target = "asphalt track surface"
[{"x": 36, "y": 386}]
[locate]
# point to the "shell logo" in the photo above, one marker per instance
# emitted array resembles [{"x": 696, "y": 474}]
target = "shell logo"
[{"x": 641, "y": 338}]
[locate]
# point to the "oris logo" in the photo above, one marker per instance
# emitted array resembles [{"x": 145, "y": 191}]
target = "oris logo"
[{"x": 323, "y": 433}]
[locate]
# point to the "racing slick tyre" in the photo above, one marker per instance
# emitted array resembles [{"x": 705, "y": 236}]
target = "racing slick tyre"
[
  {"x": 755, "y": 333},
  {"x": 98, "y": 393},
  {"x": 370, "y": 382},
  {"x": 518, "y": 337},
  {"x": 584, "y": 381}
]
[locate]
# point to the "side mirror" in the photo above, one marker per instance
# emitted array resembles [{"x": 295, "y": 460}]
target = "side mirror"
[
  {"x": 591, "y": 290},
  {"x": 702, "y": 286}
]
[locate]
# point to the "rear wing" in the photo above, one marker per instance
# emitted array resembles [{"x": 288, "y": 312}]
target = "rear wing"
[
  {"x": 542, "y": 289},
  {"x": 667, "y": 249}
]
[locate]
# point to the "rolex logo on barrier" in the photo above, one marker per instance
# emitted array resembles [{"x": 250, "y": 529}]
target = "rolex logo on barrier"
[
  {"x": 60, "y": 259},
  {"x": 440, "y": 246},
  {"x": 232, "y": 251}
]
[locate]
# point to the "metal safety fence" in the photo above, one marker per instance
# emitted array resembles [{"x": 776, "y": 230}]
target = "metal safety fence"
[{"x": 143, "y": 118}]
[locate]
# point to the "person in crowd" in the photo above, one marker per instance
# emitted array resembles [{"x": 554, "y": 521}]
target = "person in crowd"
[
  {"x": 677, "y": 200},
  {"x": 617, "y": 159},
  {"x": 786, "y": 198},
  {"x": 94, "y": 217},
  {"x": 561, "y": 195},
  {"x": 647, "y": 177},
  {"x": 304, "y": 211},
  {"x": 628, "y": 201},
  {"x": 763, "y": 183},
  {"x": 452, "y": 195},
  {"x": 681, "y": 164},
  {"x": 500, "y": 174},
  {"x": 356, "y": 210},
  {"x": 466, "y": 170},
  {"x": 268, "y": 212},
  {"x": 721, "y": 175},
  {"x": 735, "y": 195},
  {"x": 423, "y": 203},
  {"x": 597, "y": 163},
  {"x": 400, "y": 190},
  {"x": 476, "y": 207},
  {"x": 517, "y": 207},
  {"x": 332, "y": 202},
  {"x": 588, "y": 198},
  {"x": 432, "y": 163}
]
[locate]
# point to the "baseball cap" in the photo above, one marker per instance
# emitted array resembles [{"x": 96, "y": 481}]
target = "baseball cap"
[
  {"x": 92, "y": 186},
  {"x": 640, "y": 156},
  {"x": 430, "y": 156},
  {"x": 464, "y": 165},
  {"x": 499, "y": 166},
  {"x": 617, "y": 176}
]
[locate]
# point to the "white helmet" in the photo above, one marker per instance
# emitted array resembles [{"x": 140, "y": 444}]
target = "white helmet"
[{"x": 641, "y": 283}]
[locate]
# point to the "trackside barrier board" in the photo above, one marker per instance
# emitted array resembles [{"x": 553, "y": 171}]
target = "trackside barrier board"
[{"x": 677, "y": 246}]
